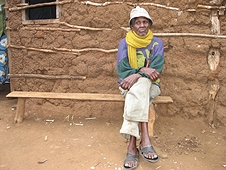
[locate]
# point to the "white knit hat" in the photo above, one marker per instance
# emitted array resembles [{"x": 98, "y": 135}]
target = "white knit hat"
[{"x": 139, "y": 12}]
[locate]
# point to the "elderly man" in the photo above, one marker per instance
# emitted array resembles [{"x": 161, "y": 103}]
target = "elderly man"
[{"x": 139, "y": 64}]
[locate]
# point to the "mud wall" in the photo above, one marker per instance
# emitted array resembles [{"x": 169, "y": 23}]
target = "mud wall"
[{"x": 195, "y": 48}]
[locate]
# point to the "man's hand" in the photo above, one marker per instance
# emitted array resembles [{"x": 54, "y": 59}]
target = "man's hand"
[
  {"x": 127, "y": 83},
  {"x": 152, "y": 73}
]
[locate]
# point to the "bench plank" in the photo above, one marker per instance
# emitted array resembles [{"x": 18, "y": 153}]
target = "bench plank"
[
  {"x": 23, "y": 95},
  {"x": 80, "y": 96}
]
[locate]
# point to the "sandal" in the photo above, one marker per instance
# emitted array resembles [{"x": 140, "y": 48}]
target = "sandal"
[
  {"x": 144, "y": 151},
  {"x": 130, "y": 157}
]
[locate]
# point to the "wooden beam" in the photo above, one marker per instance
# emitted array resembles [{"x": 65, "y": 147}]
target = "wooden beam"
[
  {"x": 30, "y": 48},
  {"x": 215, "y": 22},
  {"x": 100, "y": 4},
  {"x": 83, "y": 27},
  {"x": 20, "y": 110},
  {"x": 86, "y": 50},
  {"x": 151, "y": 120},
  {"x": 8, "y": 33},
  {"x": 49, "y": 29},
  {"x": 182, "y": 34},
  {"x": 41, "y": 76},
  {"x": 55, "y": 50},
  {"x": 26, "y": 5},
  {"x": 81, "y": 96},
  {"x": 211, "y": 6}
]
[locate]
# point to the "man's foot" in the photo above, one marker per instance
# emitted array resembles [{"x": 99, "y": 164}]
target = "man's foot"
[
  {"x": 131, "y": 161},
  {"x": 149, "y": 154}
]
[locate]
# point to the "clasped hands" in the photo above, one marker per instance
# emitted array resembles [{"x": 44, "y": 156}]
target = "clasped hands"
[{"x": 128, "y": 82}]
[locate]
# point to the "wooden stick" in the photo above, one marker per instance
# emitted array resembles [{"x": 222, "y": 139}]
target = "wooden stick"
[
  {"x": 191, "y": 10},
  {"x": 153, "y": 4},
  {"x": 211, "y": 7},
  {"x": 87, "y": 49},
  {"x": 182, "y": 34},
  {"x": 75, "y": 51},
  {"x": 8, "y": 28},
  {"x": 46, "y": 76},
  {"x": 30, "y": 48},
  {"x": 78, "y": 27},
  {"x": 133, "y": 4},
  {"x": 23, "y": 6},
  {"x": 100, "y": 4},
  {"x": 26, "y": 5},
  {"x": 126, "y": 28},
  {"x": 189, "y": 35},
  {"x": 215, "y": 22},
  {"x": 83, "y": 27},
  {"x": 49, "y": 29}
]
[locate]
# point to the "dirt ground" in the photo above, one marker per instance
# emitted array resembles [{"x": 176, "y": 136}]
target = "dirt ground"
[{"x": 75, "y": 143}]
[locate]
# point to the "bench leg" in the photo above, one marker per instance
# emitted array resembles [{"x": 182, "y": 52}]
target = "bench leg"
[
  {"x": 151, "y": 120},
  {"x": 20, "y": 110}
]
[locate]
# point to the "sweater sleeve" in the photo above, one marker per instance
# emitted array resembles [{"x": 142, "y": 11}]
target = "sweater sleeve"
[{"x": 157, "y": 55}]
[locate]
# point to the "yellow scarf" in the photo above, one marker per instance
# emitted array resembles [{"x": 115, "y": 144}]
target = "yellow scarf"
[{"x": 135, "y": 41}]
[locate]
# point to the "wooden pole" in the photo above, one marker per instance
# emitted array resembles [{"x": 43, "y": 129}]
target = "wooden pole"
[
  {"x": 100, "y": 4},
  {"x": 86, "y": 50},
  {"x": 75, "y": 51},
  {"x": 151, "y": 120},
  {"x": 8, "y": 41},
  {"x": 153, "y": 4},
  {"x": 189, "y": 35},
  {"x": 211, "y": 7},
  {"x": 183, "y": 34},
  {"x": 20, "y": 110},
  {"x": 46, "y": 76},
  {"x": 83, "y": 27},
  {"x": 26, "y": 6},
  {"x": 49, "y": 29},
  {"x": 30, "y": 48},
  {"x": 215, "y": 22},
  {"x": 129, "y": 3}
]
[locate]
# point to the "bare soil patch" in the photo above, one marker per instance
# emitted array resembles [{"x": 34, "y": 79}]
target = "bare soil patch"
[{"x": 73, "y": 142}]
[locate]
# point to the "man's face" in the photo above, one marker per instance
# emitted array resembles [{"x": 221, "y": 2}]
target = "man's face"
[{"x": 141, "y": 26}]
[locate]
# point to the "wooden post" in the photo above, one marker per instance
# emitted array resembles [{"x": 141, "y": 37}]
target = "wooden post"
[
  {"x": 9, "y": 41},
  {"x": 20, "y": 110},
  {"x": 151, "y": 120},
  {"x": 215, "y": 28}
]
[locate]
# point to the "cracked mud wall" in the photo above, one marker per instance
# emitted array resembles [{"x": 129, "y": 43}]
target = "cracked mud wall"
[{"x": 187, "y": 76}]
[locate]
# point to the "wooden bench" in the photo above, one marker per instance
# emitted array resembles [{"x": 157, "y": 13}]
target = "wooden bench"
[{"x": 23, "y": 95}]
